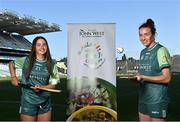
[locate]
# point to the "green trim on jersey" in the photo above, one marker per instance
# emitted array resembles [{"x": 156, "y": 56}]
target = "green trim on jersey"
[
  {"x": 19, "y": 63},
  {"x": 152, "y": 61},
  {"x": 38, "y": 76},
  {"x": 54, "y": 80},
  {"x": 164, "y": 58}
]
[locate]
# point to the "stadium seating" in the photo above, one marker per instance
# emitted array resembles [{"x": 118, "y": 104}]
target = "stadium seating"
[{"x": 13, "y": 46}]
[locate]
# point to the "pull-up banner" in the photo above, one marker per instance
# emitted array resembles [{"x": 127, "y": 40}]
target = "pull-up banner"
[{"x": 91, "y": 72}]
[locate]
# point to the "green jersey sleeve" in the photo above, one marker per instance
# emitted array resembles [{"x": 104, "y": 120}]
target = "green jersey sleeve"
[
  {"x": 164, "y": 58},
  {"x": 54, "y": 79},
  {"x": 19, "y": 62}
]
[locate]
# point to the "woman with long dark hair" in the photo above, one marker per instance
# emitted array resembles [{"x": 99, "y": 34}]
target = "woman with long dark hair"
[{"x": 38, "y": 70}]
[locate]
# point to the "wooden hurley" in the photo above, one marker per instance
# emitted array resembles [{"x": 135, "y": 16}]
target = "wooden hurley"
[
  {"x": 48, "y": 89},
  {"x": 40, "y": 88},
  {"x": 128, "y": 77}
]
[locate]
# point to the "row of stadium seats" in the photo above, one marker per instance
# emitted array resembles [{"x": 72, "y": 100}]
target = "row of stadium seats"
[
  {"x": 12, "y": 46},
  {"x": 15, "y": 42}
]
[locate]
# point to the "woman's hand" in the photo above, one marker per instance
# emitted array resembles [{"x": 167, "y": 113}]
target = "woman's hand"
[
  {"x": 139, "y": 77},
  {"x": 15, "y": 81},
  {"x": 36, "y": 88}
]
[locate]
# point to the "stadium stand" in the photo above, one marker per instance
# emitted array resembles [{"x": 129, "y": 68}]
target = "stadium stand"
[
  {"x": 13, "y": 46},
  {"x": 24, "y": 25},
  {"x": 13, "y": 28}
]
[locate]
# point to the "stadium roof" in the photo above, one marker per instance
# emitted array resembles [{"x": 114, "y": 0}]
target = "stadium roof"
[
  {"x": 14, "y": 42},
  {"x": 26, "y": 25}
]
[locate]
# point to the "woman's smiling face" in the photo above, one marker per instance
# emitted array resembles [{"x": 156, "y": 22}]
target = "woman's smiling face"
[{"x": 146, "y": 37}]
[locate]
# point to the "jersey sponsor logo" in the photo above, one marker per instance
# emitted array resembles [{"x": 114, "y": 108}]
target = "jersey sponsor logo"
[
  {"x": 155, "y": 112},
  {"x": 146, "y": 67},
  {"x": 38, "y": 77},
  {"x": 40, "y": 69},
  {"x": 38, "y": 64},
  {"x": 147, "y": 53}
]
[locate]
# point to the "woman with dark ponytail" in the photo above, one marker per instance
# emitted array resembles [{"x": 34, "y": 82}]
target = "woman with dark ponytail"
[{"x": 154, "y": 76}]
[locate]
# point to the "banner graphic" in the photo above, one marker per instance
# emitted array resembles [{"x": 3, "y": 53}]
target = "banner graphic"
[{"x": 91, "y": 71}]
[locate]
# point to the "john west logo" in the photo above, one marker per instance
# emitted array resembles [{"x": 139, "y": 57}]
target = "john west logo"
[
  {"x": 91, "y": 55},
  {"x": 91, "y": 33}
]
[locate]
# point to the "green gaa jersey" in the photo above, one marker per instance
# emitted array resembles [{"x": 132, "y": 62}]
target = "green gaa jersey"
[
  {"x": 152, "y": 61},
  {"x": 38, "y": 76}
]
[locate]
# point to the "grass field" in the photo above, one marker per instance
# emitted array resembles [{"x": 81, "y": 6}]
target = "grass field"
[
  {"x": 127, "y": 95},
  {"x": 10, "y": 97}
]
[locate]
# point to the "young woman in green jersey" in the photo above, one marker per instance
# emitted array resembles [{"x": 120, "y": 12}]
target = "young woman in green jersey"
[
  {"x": 154, "y": 76},
  {"x": 38, "y": 70}
]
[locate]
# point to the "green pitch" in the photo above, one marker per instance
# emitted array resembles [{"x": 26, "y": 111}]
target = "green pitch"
[{"x": 127, "y": 95}]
